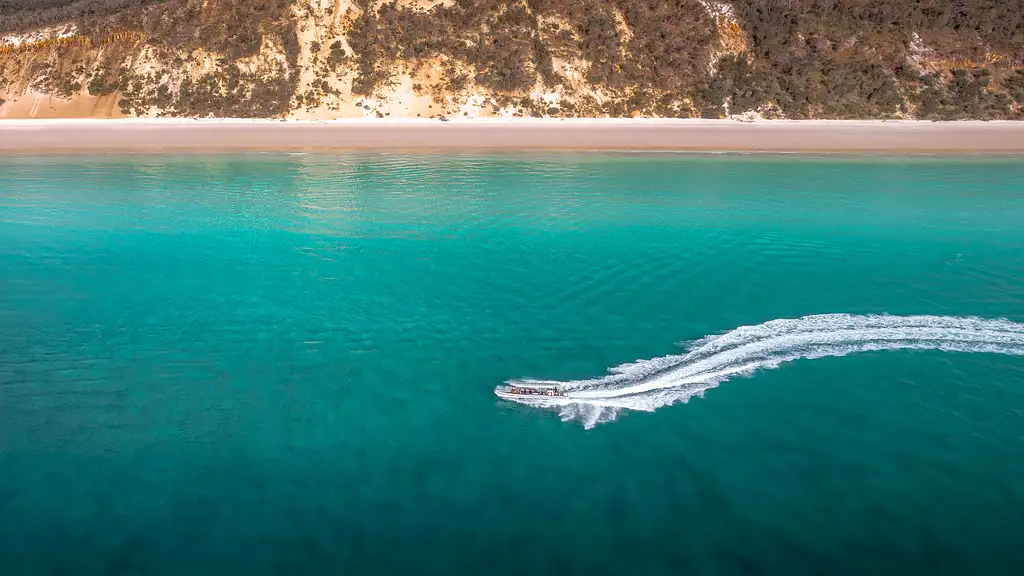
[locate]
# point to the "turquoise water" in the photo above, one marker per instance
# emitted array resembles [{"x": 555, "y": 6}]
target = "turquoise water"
[{"x": 285, "y": 364}]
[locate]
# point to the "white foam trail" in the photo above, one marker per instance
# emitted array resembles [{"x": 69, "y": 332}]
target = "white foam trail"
[{"x": 651, "y": 384}]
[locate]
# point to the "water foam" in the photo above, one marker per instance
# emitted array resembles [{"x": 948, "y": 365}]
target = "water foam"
[{"x": 650, "y": 384}]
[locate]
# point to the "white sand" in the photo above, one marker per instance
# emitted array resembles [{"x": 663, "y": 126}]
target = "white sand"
[{"x": 518, "y": 133}]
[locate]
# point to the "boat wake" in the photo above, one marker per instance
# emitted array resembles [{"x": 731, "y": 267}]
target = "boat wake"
[{"x": 650, "y": 384}]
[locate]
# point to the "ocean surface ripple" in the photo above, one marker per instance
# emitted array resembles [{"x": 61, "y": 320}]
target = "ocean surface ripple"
[{"x": 650, "y": 384}]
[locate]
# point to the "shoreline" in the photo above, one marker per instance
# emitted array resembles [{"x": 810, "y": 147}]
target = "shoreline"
[{"x": 226, "y": 135}]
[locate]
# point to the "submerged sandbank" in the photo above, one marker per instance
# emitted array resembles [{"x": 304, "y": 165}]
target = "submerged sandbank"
[{"x": 88, "y": 135}]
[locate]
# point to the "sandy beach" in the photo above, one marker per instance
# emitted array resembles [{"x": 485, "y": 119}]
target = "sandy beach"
[{"x": 149, "y": 135}]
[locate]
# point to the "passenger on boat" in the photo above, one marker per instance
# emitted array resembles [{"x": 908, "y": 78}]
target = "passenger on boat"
[{"x": 525, "y": 391}]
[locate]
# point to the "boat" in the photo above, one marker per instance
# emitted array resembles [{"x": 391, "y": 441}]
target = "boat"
[{"x": 515, "y": 391}]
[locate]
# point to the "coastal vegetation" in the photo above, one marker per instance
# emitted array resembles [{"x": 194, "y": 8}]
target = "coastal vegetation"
[{"x": 928, "y": 59}]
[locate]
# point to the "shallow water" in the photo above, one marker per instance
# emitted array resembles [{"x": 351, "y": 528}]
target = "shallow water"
[{"x": 284, "y": 364}]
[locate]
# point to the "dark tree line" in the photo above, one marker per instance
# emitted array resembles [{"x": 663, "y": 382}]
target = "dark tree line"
[{"x": 21, "y": 15}]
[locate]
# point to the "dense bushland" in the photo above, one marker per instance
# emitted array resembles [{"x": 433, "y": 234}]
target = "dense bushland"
[
  {"x": 934, "y": 59},
  {"x": 174, "y": 29},
  {"x": 852, "y": 58}
]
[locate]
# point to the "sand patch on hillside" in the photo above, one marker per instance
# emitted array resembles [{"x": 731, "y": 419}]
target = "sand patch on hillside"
[{"x": 37, "y": 105}]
